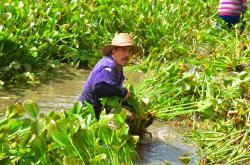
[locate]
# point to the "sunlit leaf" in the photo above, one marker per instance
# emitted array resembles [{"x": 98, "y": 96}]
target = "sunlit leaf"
[
  {"x": 88, "y": 120},
  {"x": 184, "y": 159},
  {"x": 62, "y": 125},
  {"x": 14, "y": 111},
  {"x": 2, "y": 137},
  {"x": 186, "y": 87},
  {"x": 1, "y": 83},
  {"x": 38, "y": 127},
  {"x": 76, "y": 109},
  {"x": 90, "y": 109},
  {"x": 97, "y": 159},
  {"x": 207, "y": 108},
  {"x": 242, "y": 75},
  {"x": 61, "y": 138},
  {"x": 85, "y": 142},
  {"x": 105, "y": 132},
  {"x": 31, "y": 108},
  {"x": 132, "y": 141},
  {"x": 15, "y": 125}
]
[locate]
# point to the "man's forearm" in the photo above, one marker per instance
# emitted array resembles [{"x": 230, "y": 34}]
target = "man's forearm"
[{"x": 106, "y": 90}]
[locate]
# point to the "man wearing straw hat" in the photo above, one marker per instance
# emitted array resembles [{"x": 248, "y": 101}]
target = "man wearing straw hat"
[{"x": 106, "y": 79}]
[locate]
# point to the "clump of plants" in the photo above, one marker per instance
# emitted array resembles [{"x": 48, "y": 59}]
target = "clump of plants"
[
  {"x": 195, "y": 92},
  {"x": 28, "y": 136},
  {"x": 137, "y": 109}
]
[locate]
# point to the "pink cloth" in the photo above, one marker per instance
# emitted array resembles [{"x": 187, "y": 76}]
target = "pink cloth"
[{"x": 232, "y": 7}]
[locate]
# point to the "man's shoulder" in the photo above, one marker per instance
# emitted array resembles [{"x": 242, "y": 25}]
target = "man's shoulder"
[{"x": 106, "y": 62}]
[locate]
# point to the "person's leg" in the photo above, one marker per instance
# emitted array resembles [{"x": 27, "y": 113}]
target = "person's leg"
[{"x": 230, "y": 20}]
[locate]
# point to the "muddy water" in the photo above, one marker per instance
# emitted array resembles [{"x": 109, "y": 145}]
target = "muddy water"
[
  {"x": 57, "y": 93},
  {"x": 60, "y": 93},
  {"x": 166, "y": 145}
]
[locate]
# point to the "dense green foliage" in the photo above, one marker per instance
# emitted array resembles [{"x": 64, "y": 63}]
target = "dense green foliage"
[
  {"x": 27, "y": 137},
  {"x": 208, "y": 80},
  {"x": 37, "y": 34},
  {"x": 197, "y": 93}
]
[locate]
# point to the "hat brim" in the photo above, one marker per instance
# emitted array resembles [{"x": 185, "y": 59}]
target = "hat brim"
[{"x": 107, "y": 50}]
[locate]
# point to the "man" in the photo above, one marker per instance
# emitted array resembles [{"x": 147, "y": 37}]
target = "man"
[{"x": 106, "y": 79}]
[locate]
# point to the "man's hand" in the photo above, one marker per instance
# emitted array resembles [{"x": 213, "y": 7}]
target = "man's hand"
[
  {"x": 127, "y": 95},
  {"x": 131, "y": 115}
]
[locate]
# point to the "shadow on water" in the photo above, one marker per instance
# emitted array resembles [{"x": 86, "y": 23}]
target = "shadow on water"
[{"x": 60, "y": 93}]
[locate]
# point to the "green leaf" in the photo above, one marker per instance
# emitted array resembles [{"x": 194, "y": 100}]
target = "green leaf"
[
  {"x": 27, "y": 122},
  {"x": 39, "y": 145},
  {"x": 97, "y": 159},
  {"x": 112, "y": 101},
  {"x": 62, "y": 125},
  {"x": 171, "y": 68},
  {"x": 3, "y": 121},
  {"x": 15, "y": 125},
  {"x": 84, "y": 141},
  {"x": 69, "y": 160},
  {"x": 25, "y": 139},
  {"x": 77, "y": 108},
  {"x": 131, "y": 89},
  {"x": 14, "y": 111},
  {"x": 51, "y": 114},
  {"x": 132, "y": 141},
  {"x": 105, "y": 132},
  {"x": 184, "y": 159},
  {"x": 207, "y": 108},
  {"x": 31, "y": 108},
  {"x": 91, "y": 109},
  {"x": 2, "y": 138},
  {"x": 119, "y": 119},
  {"x": 61, "y": 138},
  {"x": 88, "y": 120},
  {"x": 186, "y": 87},
  {"x": 242, "y": 75},
  {"x": 38, "y": 127},
  {"x": 227, "y": 81}
]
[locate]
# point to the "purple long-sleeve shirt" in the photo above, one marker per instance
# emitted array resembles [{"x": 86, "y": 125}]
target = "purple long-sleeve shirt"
[
  {"x": 105, "y": 80},
  {"x": 232, "y": 7}
]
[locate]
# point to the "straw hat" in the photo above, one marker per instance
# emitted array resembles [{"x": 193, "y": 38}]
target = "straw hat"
[{"x": 121, "y": 39}]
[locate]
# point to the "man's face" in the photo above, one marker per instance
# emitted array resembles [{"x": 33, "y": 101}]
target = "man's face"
[{"x": 122, "y": 55}]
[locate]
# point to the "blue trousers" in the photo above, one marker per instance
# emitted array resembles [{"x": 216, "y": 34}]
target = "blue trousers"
[{"x": 230, "y": 20}]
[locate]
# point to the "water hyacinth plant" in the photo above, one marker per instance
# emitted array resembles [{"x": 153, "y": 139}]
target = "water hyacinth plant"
[
  {"x": 137, "y": 109},
  {"x": 64, "y": 137},
  {"x": 190, "y": 63},
  {"x": 33, "y": 33},
  {"x": 178, "y": 91}
]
